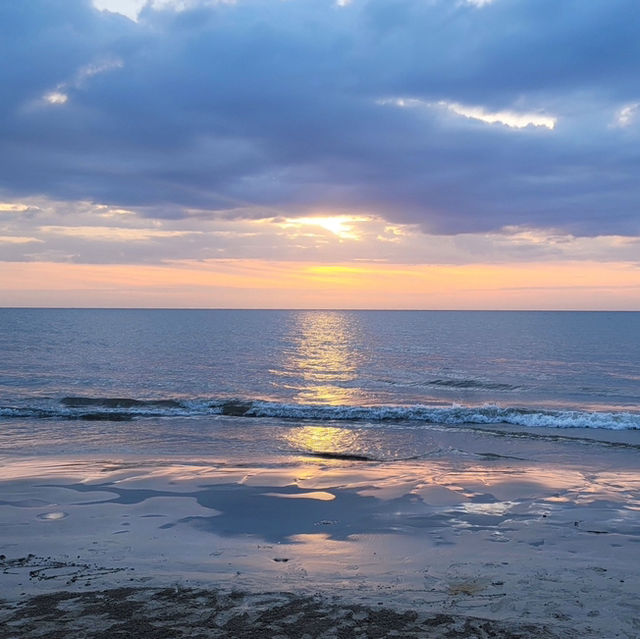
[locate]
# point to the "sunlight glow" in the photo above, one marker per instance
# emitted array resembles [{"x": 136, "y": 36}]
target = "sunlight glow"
[
  {"x": 324, "y": 360},
  {"x": 10, "y": 207},
  {"x": 219, "y": 283},
  {"x": 324, "y": 439},
  {"x": 340, "y": 225}
]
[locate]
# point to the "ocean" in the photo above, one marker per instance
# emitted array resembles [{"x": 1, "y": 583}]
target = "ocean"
[
  {"x": 249, "y": 381},
  {"x": 476, "y": 469}
]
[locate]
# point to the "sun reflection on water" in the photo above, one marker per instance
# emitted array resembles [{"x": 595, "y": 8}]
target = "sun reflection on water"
[
  {"x": 322, "y": 365},
  {"x": 324, "y": 439}
]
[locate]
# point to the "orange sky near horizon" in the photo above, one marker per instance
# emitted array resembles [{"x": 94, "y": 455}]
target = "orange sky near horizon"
[{"x": 244, "y": 283}]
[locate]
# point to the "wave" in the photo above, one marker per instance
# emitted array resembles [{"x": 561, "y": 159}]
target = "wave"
[
  {"x": 452, "y": 415},
  {"x": 472, "y": 384},
  {"x": 119, "y": 409}
]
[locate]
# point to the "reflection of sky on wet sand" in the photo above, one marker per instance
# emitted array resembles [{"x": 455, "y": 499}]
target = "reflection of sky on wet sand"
[
  {"x": 454, "y": 531},
  {"x": 324, "y": 359},
  {"x": 427, "y": 529},
  {"x": 342, "y": 500}
]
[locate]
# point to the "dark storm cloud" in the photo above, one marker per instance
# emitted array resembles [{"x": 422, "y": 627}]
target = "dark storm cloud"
[{"x": 289, "y": 107}]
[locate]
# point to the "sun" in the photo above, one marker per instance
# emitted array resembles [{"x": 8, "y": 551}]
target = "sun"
[{"x": 340, "y": 225}]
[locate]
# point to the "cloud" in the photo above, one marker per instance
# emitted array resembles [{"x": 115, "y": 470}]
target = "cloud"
[
  {"x": 17, "y": 239},
  {"x": 112, "y": 233},
  {"x": 56, "y": 97},
  {"x": 38, "y": 230},
  {"x": 129, "y": 8},
  {"x": 627, "y": 115},
  {"x": 511, "y": 119},
  {"x": 258, "y": 109}
]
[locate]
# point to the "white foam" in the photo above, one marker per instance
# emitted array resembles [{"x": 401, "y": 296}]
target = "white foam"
[
  {"x": 455, "y": 414},
  {"x": 416, "y": 413}
]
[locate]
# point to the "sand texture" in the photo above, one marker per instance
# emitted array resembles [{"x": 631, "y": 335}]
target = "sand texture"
[{"x": 179, "y": 612}]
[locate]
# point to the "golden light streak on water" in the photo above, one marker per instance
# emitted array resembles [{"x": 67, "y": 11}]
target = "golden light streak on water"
[
  {"x": 323, "y": 439},
  {"x": 325, "y": 357}
]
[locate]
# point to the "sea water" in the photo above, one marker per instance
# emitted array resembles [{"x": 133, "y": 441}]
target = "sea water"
[{"x": 230, "y": 380}]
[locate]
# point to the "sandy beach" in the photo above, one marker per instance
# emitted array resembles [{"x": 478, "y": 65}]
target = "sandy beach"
[{"x": 491, "y": 544}]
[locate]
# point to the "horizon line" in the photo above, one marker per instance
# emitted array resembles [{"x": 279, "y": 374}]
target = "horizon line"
[{"x": 319, "y": 309}]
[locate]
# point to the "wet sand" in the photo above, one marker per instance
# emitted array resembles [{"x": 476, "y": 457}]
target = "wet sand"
[{"x": 542, "y": 543}]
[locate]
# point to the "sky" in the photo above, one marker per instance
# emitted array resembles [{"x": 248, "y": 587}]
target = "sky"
[{"x": 445, "y": 154}]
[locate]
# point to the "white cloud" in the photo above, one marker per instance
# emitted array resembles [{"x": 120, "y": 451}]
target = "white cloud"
[
  {"x": 60, "y": 94},
  {"x": 132, "y": 8},
  {"x": 512, "y": 119},
  {"x": 128, "y": 8},
  {"x": 627, "y": 115},
  {"x": 56, "y": 97},
  {"x": 88, "y": 71},
  {"x": 478, "y": 3}
]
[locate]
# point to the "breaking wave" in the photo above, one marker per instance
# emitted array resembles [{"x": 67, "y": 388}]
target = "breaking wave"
[{"x": 119, "y": 409}]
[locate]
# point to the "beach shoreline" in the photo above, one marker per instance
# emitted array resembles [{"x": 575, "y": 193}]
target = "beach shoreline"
[{"x": 532, "y": 542}]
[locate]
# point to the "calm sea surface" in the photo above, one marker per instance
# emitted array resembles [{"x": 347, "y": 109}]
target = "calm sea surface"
[{"x": 164, "y": 376}]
